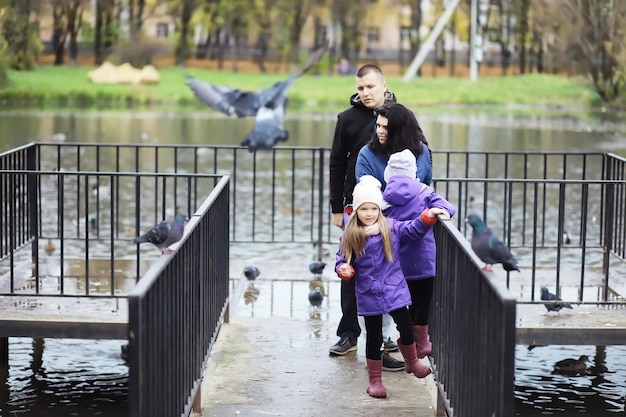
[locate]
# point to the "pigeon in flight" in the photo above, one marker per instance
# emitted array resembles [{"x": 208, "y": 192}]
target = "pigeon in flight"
[
  {"x": 165, "y": 233},
  {"x": 267, "y": 105},
  {"x": 548, "y": 296},
  {"x": 317, "y": 267},
  {"x": 251, "y": 272},
  {"x": 488, "y": 247}
]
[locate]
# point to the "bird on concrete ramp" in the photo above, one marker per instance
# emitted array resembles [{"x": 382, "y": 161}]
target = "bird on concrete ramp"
[
  {"x": 165, "y": 233},
  {"x": 267, "y": 105},
  {"x": 546, "y": 295},
  {"x": 488, "y": 247}
]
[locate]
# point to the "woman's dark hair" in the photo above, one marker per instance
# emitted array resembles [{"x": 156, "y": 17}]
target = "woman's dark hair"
[{"x": 403, "y": 131}]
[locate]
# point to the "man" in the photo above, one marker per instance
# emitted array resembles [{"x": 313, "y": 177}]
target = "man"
[{"x": 353, "y": 130}]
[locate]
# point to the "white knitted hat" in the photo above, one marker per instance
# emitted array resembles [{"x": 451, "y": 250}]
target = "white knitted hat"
[
  {"x": 401, "y": 163},
  {"x": 367, "y": 191}
]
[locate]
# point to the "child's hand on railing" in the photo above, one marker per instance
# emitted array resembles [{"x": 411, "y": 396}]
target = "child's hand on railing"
[{"x": 429, "y": 216}]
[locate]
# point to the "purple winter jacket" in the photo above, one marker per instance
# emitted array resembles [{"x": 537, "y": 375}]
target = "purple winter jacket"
[
  {"x": 380, "y": 285},
  {"x": 407, "y": 199}
]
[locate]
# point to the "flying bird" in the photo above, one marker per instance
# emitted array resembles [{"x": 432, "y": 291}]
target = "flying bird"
[
  {"x": 251, "y": 272},
  {"x": 317, "y": 267},
  {"x": 488, "y": 247},
  {"x": 267, "y": 105},
  {"x": 548, "y": 296},
  {"x": 165, "y": 233}
]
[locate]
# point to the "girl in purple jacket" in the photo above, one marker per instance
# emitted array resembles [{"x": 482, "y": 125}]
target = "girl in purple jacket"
[
  {"x": 406, "y": 198},
  {"x": 370, "y": 247}
]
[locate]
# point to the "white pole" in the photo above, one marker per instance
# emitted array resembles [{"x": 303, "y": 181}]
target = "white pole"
[
  {"x": 473, "y": 70},
  {"x": 430, "y": 41}
]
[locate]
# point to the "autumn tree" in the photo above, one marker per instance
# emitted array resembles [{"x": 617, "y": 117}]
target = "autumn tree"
[
  {"x": 589, "y": 37},
  {"x": 263, "y": 18},
  {"x": 349, "y": 16},
  {"x": 104, "y": 30},
  {"x": 20, "y": 35}
]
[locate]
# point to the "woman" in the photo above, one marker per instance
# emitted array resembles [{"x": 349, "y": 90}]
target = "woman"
[{"x": 396, "y": 129}]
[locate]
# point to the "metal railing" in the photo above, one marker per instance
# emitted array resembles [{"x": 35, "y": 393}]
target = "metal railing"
[
  {"x": 528, "y": 200},
  {"x": 475, "y": 377},
  {"x": 78, "y": 238},
  {"x": 18, "y": 202},
  {"x": 567, "y": 227},
  {"x": 175, "y": 313}
]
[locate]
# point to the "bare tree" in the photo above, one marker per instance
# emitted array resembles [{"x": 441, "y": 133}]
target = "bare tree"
[
  {"x": 590, "y": 36},
  {"x": 59, "y": 30},
  {"x": 263, "y": 18},
  {"x": 293, "y": 15},
  {"x": 414, "y": 34},
  {"x": 103, "y": 31},
  {"x": 523, "y": 28},
  {"x": 182, "y": 50},
  {"x": 349, "y": 14},
  {"x": 502, "y": 32},
  {"x": 74, "y": 15}
]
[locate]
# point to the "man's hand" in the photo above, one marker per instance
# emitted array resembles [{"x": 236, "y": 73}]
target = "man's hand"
[{"x": 338, "y": 220}]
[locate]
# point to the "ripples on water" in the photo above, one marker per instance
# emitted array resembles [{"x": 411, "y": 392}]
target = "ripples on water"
[
  {"x": 599, "y": 391},
  {"x": 64, "y": 377}
]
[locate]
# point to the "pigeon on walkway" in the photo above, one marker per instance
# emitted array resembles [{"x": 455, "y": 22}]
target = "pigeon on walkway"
[
  {"x": 548, "y": 296},
  {"x": 267, "y": 105},
  {"x": 251, "y": 272},
  {"x": 488, "y": 247},
  {"x": 165, "y": 233},
  {"x": 316, "y": 297}
]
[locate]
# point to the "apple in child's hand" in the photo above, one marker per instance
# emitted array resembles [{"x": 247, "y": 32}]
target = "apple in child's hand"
[{"x": 345, "y": 271}]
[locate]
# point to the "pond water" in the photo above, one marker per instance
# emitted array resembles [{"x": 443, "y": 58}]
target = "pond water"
[{"x": 49, "y": 377}]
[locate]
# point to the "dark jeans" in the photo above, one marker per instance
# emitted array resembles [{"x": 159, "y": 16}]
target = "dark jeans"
[
  {"x": 421, "y": 295},
  {"x": 349, "y": 324},
  {"x": 374, "y": 331}
]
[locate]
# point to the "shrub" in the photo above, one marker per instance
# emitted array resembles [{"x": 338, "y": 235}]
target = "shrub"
[
  {"x": 138, "y": 50},
  {"x": 4, "y": 63}
]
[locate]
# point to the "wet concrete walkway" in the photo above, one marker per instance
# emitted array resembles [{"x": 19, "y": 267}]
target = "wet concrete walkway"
[{"x": 272, "y": 359}]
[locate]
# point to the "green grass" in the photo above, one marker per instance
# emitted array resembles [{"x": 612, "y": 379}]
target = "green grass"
[{"x": 68, "y": 86}]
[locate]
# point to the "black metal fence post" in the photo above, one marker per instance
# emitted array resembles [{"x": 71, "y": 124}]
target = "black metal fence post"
[{"x": 320, "y": 207}]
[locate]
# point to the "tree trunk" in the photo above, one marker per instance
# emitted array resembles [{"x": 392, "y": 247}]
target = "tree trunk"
[
  {"x": 416, "y": 23},
  {"x": 74, "y": 22},
  {"x": 97, "y": 36},
  {"x": 58, "y": 33},
  {"x": 523, "y": 33},
  {"x": 263, "y": 48},
  {"x": 183, "y": 46}
]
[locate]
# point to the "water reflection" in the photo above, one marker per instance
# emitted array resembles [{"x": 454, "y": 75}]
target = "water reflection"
[
  {"x": 42, "y": 379},
  {"x": 597, "y": 391}
]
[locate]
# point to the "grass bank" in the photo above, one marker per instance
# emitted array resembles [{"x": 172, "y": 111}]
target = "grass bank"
[{"x": 51, "y": 86}]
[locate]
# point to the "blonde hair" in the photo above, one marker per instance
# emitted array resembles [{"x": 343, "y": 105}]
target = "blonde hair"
[{"x": 354, "y": 236}]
